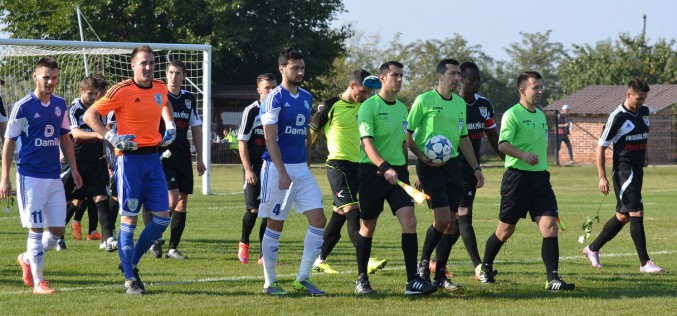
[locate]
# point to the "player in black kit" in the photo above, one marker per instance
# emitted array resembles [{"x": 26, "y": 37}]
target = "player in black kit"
[
  {"x": 252, "y": 144},
  {"x": 90, "y": 157},
  {"x": 628, "y": 130},
  {"x": 176, "y": 158}
]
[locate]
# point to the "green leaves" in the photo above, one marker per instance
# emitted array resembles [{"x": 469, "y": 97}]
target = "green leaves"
[
  {"x": 246, "y": 35},
  {"x": 587, "y": 225},
  {"x": 613, "y": 63}
]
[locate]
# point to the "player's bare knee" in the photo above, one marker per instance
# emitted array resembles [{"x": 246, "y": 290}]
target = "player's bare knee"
[
  {"x": 504, "y": 231},
  {"x": 636, "y": 214},
  {"x": 254, "y": 210},
  {"x": 549, "y": 231},
  {"x": 275, "y": 225},
  {"x": 316, "y": 218},
  {"x": 442, "y": 224},
  {"x": 350, "y": 208},
  {"x": 408, "y": 224},
  {"x": 450, "y": 230},
  {"x": 164, "y": 214},
  {"x": 367, "y": 228},
  {"x": 129, "y": 220},
  {"x": 623, "y": 218},
  {"x": 462, "y": 211}
]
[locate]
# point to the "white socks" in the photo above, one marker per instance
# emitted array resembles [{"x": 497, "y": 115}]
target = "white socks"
[
  {"x": 270, "y": 246},
  {"x": 49, "y": 241},
  {"x": 311, "y": 248},
  {"x": 35, "y": 255}
]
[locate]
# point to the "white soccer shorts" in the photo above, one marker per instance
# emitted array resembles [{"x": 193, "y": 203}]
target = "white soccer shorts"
[
  {"x": 303, "y": 194},
  {"x": 42, "y": 202}
]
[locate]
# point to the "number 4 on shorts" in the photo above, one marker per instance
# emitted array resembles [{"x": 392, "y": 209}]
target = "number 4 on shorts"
[{"x": 276, "y": 209}]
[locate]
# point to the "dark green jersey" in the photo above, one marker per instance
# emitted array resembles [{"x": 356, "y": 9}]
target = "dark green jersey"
[
  {"x": 385, "y": 123},
  {"x": 338, "y": 119},
  {"x": 528, "y": 131},
  {"x": 433, "y": 115}
]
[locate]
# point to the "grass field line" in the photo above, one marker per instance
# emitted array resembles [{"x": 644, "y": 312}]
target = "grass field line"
[{"x": 285, "y": 276}]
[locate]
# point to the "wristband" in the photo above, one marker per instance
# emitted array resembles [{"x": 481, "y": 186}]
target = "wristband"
[
  {"x": 385, "y": 166},
  {"x": 477, "y": 168}
]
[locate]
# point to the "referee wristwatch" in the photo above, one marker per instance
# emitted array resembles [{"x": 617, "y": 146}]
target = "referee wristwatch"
[{"x": 478, "y": 168}]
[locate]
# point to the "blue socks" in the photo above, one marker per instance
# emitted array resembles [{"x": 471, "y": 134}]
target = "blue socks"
[
  {"x": 149, "y": 235},
  {"x": 131, "y": 254},
  {"x": 126, "y": 249}
]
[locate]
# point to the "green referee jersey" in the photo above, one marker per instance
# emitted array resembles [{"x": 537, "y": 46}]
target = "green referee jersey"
[
  {"x": 528, "y": 131},
  {"x": 433, "y": 115},
  {"x": 338, "y": 120},
  {"x": 385, "y": 123}
]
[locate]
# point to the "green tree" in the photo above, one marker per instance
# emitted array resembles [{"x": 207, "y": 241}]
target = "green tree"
[
  {"x": 246, "y": 35},
  {"x": 617, "y": 62},
  {"x": 420, "y": 60},
  {"x": 363, "y": 51},
  {"x": 536, "y": 52}
]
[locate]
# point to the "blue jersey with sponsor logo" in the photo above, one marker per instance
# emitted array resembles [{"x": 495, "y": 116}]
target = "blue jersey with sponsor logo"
[
  {"x": 37, "y": 129},
  {"x": 291, "y": 113}
]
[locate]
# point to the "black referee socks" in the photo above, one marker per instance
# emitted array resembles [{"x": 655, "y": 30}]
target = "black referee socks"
[{"x": 550, "y": 255}]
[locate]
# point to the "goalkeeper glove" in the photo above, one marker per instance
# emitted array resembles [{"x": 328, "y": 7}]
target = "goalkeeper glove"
[
  {"x": 170, "y": 135},
  {"x": 121, "y": 142}
]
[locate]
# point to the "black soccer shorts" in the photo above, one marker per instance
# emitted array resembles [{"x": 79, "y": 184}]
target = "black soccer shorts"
[
  {"x": 374, "y": 190},
  {"x": 525, "y": 192}
]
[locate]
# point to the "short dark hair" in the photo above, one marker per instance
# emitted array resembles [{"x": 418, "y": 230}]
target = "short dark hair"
[
  {"x": 179, "y": 64},
  {"x": 638, "y": 85},
  {"x": 385, "y": 67},
  {"x": 142, "y": 48},
  {"x": 468, "y": 65},
  {"x": 267, "y": 77},
  {"x": 359, "y": 75},
  {"x": 90, "y": 82},
  {"x": 526, "y": 75},
  {"x": 288, "y": 54},
  {"x": 442, "y": 65},
  {"x": 103, "y": 83},
  {"x": 48, "y": 62}
]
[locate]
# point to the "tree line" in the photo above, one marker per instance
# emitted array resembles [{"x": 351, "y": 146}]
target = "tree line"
[{"x": 247, "y": 35}]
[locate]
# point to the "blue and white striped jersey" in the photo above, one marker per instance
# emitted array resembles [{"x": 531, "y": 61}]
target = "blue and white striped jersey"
[
  {"x": 37, "y": 128},
  {"x": 291, "y": 113}
]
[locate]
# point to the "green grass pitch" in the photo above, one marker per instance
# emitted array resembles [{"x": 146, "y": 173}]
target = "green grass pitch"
[{"x": 212, "y": 281}]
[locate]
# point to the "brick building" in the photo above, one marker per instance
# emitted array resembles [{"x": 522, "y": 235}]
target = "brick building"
[{"x": 590, "y": 108}]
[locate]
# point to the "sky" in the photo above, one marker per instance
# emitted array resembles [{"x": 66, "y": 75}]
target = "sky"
[{"x": 496, "y": 24}]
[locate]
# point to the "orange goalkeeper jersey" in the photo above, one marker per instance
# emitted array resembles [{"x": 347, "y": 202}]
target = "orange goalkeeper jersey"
[{"x": 138, "y": 110}]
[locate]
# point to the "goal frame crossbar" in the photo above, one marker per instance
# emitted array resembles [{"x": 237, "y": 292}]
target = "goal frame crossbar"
[{"x": 205, "y": 89}]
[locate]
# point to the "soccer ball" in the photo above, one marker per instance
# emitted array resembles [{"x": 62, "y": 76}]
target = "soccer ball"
[{"x": 438, "y": 148}]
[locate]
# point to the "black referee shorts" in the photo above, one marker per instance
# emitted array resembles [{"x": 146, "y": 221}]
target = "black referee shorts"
[
  {"x": 469, "y": 186},
  {"x": 525, "y": 192},
  {"x": 627, "y": 180},
  {"x": 252, "y": 192},
  {"x": 443, "y": 184},
  {"x": 342, "y": 175},
  {"x": 374, "y": 190}
]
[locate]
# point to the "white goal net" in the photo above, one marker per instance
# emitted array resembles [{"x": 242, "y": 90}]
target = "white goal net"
[{"x": 111, "y": 60}]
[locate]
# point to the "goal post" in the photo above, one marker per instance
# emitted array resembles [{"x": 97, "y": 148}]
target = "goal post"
[{"x": 78, "y": 59}]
